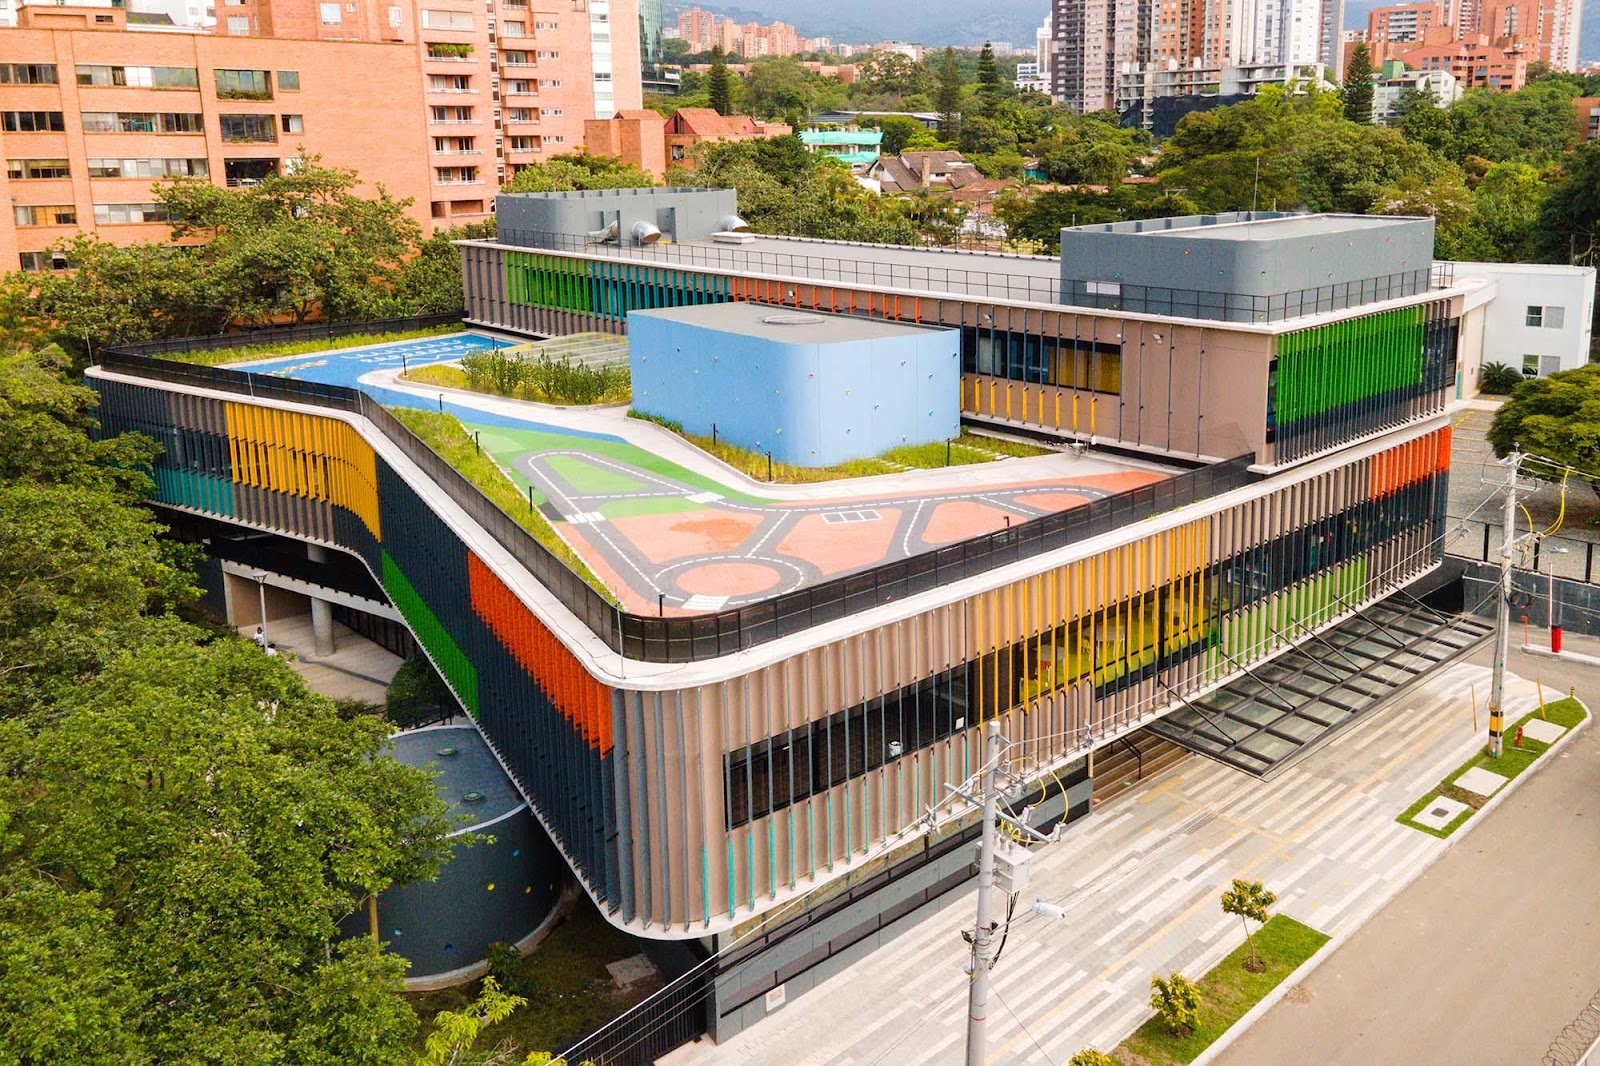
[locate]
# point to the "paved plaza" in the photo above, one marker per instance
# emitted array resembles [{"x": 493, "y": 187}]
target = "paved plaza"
[{"x": 1139, "y": 882}]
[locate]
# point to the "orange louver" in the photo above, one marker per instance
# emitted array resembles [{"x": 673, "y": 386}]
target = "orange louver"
[
  {"x": 1410, "y": 462},
  {"x": 582, "y": 701}
]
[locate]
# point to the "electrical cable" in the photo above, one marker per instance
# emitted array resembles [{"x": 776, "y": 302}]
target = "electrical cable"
[{"x": 1023, "y": 1026}]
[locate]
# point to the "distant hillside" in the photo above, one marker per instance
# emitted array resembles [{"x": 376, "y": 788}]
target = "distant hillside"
[
  {"x": 930, "y": 22},
  {"x": 1355, "y": 18}
]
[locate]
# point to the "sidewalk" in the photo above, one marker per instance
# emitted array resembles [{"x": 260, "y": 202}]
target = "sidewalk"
[
  {"x": 1140, "y": 883},
  {"x": 1488, "y": 955},
  {"x": 358, "y": 669}
]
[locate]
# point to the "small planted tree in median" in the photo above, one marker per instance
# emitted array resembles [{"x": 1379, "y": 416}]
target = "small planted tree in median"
[
  {"x": 1177, "y": 1000},
  {"x": 1090, "y": 1056},
  {"x": 1249, "y": 900}
]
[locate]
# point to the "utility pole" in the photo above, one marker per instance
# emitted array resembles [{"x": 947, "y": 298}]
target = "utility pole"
[
  {"x": 978, "y": 991},
  {"x": 1011, "y": 876},
  {"x": 1502, "y": 614}
]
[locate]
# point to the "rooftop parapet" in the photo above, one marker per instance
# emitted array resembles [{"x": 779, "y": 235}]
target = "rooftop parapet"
[{"x": 1246, "y": 266}]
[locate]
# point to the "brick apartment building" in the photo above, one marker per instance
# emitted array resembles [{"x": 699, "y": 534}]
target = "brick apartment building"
[
  {"x": 439, "y": 100},
  {"x": 653, "y": 142}
]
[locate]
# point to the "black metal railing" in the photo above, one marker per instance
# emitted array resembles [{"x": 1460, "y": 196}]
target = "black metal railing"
[
  {"x": 693, "y": 638},
  {"x": 666, "y": 1021}
]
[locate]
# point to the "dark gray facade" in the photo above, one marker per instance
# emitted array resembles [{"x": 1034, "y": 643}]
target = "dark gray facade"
[
  {"x": 558, "y": 219},
  {"x": 501, "y": 888},
  {"x": 1245, "y": 266}
]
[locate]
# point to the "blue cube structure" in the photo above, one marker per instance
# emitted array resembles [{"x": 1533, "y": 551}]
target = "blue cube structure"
[{"x": 813, "y": 389}]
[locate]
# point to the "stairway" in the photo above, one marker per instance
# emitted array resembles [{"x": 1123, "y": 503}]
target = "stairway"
[{"x": 1117, "y": 768}]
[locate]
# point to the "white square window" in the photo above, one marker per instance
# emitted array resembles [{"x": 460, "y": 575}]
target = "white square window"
[
  {"x": 1554, "y": 317},
  {"x": 239, "y": 25},
  {"x": 332, "y": 15}
]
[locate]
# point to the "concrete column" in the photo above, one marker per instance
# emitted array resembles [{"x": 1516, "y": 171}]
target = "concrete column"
[{"x": 321, "y": 610}]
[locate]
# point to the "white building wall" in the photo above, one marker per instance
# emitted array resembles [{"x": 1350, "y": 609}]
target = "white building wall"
[{"x": 1541, "y": 317}]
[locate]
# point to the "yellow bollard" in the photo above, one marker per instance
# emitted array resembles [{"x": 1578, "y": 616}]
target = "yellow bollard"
[{"x": 1540, "y": 686}]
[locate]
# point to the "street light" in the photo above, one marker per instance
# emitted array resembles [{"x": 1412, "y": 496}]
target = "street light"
[{"x": 261, "y": 590}]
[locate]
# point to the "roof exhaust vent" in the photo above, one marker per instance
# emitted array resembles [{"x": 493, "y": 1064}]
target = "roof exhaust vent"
[
  {"x": 603, "y": 236},
  {"x": 733, "y": 224},
  {"x": 643, "y": 232}
]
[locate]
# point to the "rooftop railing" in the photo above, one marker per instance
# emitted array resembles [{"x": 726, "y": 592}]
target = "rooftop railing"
[{"x": 697, "y": 637}]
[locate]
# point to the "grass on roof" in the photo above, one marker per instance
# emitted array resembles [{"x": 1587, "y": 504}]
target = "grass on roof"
[
  {"x": 253, "y": 352},
  {"x": 450, "y": 439}
]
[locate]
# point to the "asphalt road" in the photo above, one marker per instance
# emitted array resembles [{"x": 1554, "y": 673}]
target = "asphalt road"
[{"x": 1485, "y": 957}]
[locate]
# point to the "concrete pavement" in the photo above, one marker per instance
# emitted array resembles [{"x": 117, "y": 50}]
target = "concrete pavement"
[
  {"x": 1140, "y": 883},
  {"x": 1486, "y": 956}
]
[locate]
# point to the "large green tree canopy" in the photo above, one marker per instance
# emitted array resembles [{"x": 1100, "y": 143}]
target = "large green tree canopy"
[{"x": 182, "y": 822}]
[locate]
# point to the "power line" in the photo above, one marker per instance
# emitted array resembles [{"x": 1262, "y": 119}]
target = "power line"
[{"x": 1025, "y": 1028}]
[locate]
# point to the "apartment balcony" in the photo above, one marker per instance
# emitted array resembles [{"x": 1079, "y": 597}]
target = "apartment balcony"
[
  {"x": 521, "y": 92},
  {"x": 452, "y": 92},
  {"x": 519, "y": 63},
  {"x": 455, "y": 122},
  {"x": 449, "y": 59},
  {"x": 458, "y": 181},
  {"x": 464, "y": 151}
]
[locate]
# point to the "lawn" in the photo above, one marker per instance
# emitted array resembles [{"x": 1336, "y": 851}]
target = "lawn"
[
  {"x": 1513, "y": 760},
  {"x": 966, "y": 449},
  {"x": 252, "y": 352},
  {"x": 450, "y": 439},
  {"x": 565, "y": 981},
  {"x": 1229, "y": 991}
]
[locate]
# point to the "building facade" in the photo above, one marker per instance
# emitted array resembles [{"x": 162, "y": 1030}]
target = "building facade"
[
  {"x": 723, "y": 771},
  {"x": 94, "y": 114}
]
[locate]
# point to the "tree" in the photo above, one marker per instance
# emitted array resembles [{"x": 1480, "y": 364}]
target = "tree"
[
  {"x": 1358, "y": 84},
  {"x": 1556, "y": 418},
  {"x": 1092, "y": 1057},
  {"x": 775, "y": 86},
  {"x": 1498, "y": 379},
  {"x": 182, "y": 822},
  {"x": 579, "y": 170},
  {"x": 949, "y": 98},
  {"x": 898, "y": 132},
  {"x": 720, "y": 83},
  {"x": 990, "y": 88},
  {"x": 1569, "y": 219},
  {"x": 1249, "y": 900},
  {"x": 1177, "y": 1000}
]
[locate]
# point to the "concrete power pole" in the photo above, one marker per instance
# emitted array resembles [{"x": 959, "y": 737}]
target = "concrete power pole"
[
  {"x": 978, "y": 991},
  {"x": 1502, "y": 614}
]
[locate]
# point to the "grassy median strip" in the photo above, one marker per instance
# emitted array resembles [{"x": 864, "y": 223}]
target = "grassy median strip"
[
  {"x": 1229, "y": 991},
  {"x": 1513, "y": 760},
  {"x": 450, "y": 439},
  {"x": 253, "y": 352}
]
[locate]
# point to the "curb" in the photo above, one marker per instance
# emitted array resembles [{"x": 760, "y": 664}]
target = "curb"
[{"x": 1305, "y": 969}]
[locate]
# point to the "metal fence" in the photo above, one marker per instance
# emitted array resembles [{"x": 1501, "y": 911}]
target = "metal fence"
[
  {"x": 1036, "y": 278},
  {"x": 1566, "y": 557},
  {"x": 667, "y": 1020},
  {"x": 688, "y": 639},
  {"x": 289, "y": 334},
  {"x": 1228, "y": 306}
]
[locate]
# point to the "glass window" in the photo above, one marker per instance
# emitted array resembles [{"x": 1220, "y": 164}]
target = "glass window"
[
  {"x": 289, "y": 80},
  {"x": 36, "y": 169},
  {"x": 294, "y": 124},
  {"x": 332, "y": 15},
  {"x": 148, "y": 168},
  {"x": 27, "y": 74},
  {"x": 46, "y": 215},
  {"x": 32, "y": 122},
  {"x": 110, "y": 214},
  {"x": 139, "y": 77},
  {"x": 239, "y": 25},
  {"x": 1534, "y": 316},
  {"x": 36, "y": 261},
  {"x": 1530, "y": 366},
  {"x": 243, "y": 84},
  {"x": 248, "y": 128}
]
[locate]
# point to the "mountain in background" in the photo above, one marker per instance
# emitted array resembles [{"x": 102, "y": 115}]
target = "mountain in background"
[
  {"x": 1355, "y": 18},
  {"x": 930, "y": 22}
]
